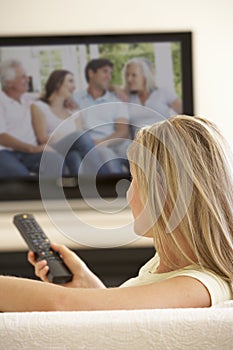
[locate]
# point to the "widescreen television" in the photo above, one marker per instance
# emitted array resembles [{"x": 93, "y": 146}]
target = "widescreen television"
[{"x": 170, "y": 54}]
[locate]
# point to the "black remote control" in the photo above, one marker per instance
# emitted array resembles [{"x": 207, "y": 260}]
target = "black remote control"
[{"x": 39, "y": 243}]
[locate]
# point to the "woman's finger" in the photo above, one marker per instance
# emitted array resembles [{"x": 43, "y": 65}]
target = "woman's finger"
[
  {"x": 31, "y": 258},
  {"x": 41, "y": 270},
  {"x": 61, "y": 249}
]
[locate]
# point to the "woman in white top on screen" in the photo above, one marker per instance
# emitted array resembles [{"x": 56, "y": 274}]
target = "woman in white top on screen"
[
  {"x": 139, "y": 87},
  {"x": 50, "y": 111},
  {"x": 181, "y": 196}
]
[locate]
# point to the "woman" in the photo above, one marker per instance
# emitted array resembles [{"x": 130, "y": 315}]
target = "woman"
[
  {"x": 47, "y": 116},
  {"x": 181, "y": 196},
  {"x": 140, "y": 86}
]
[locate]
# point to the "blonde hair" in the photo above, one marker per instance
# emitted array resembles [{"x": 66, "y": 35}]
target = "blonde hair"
[
  {"x": 195, "y": 171},
  {"x": 147, "y": 72}
]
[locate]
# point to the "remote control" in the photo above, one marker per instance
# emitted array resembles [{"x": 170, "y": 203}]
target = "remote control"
[{"x": 39, "y": 243}]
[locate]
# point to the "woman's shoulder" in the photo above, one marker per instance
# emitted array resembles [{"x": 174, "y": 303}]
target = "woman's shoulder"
[
  {"x": 164, "y": 93},
  {"x": 219, "y": 289},
  {"x": 41, "y": 104}
]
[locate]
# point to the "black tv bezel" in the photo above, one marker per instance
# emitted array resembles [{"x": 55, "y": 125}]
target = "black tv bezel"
[{"x": 17, "y": 189}]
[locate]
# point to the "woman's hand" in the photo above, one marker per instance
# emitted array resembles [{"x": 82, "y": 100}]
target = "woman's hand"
[
  {"x": 120, "y": 93},
  {"x": 71, "y": 105},
  {"x": 82, "y": 275}
]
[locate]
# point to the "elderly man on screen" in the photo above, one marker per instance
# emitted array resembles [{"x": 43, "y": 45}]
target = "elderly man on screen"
[{"x": 20, "y": 155}]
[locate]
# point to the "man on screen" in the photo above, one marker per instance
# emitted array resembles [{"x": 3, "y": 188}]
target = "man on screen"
[
  {"x": 107, "y": 124},
  {"x": 20, "y": 155}
]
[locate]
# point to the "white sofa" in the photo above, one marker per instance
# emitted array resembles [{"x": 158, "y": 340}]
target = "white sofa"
[{"x": 176, "y": 329}]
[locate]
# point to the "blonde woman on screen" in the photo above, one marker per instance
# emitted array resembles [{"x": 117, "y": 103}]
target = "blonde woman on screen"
[
  {"x": 181, "y": 197},
  {"x": 139, "y": 87}
]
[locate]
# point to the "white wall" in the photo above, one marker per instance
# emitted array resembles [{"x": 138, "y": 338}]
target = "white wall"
[{"x": 210, "y": 21}]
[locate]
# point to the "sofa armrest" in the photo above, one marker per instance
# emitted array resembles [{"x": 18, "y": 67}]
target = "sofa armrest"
[{"x": 137, "y": 329}]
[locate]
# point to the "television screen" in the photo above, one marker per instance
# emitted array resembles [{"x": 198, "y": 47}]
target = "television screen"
[{"x": 71, "y": 105}]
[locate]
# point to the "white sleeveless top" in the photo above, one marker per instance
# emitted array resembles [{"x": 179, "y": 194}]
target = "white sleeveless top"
[
  {"x": 219, "y": 289},
  {"x": 63, "y": 127}
]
